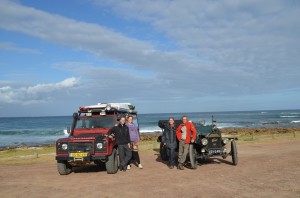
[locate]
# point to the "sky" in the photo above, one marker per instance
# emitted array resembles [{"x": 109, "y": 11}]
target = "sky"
[{"x": 163, "y": 56}]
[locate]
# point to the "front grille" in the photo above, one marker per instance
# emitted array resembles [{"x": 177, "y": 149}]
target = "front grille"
[
  {"x": 81, "y": 147},
  {"x": 214, "y": 143}
]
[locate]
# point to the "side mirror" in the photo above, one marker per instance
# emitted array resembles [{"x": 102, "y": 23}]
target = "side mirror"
[{"x": 68, "y": 130}]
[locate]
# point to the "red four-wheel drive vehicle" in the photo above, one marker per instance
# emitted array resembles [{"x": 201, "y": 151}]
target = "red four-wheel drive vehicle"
[{"x": 88, "y": 141}]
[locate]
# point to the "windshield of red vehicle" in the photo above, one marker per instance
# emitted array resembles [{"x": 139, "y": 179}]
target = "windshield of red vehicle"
[{"x": 95, "y": 122}]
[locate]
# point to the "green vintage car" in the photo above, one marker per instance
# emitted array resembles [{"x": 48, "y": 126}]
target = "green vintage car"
[{"x": 209, "y": 143}]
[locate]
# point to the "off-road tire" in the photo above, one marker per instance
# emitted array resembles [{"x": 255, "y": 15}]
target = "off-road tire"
[
  {"x": 63, "y": 168},
  {"x": 192, "y": 156},
  {"x": 111, "y": 164},
  {"x": 234, "y": 153},
  {"x": 163, "y": 152}
]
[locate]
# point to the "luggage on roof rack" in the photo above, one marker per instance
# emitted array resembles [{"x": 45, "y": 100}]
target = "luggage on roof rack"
[{"x": 120, "y": 107}]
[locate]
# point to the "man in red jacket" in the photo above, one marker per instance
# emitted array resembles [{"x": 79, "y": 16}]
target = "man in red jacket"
[{"x": 186, "y": 133}]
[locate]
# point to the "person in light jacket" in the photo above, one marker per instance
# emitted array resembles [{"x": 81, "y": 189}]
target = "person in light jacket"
[
  {"x": 135, "y": 140},
  {"x": 169, "y": 140}
]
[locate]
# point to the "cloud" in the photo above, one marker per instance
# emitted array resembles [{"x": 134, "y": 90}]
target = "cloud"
[
  {"x": 13, "y": 93},
  {"x": 108, "y": 83},
  {"x": 247, "y": 45},
  {"x": 93, "y": 38},
  {"x": 8, "y": 46},
  {"x": 224, "y": 48}
]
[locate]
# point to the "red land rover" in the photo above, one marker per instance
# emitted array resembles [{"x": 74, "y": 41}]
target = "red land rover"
[{"x": 88, "y": 142}]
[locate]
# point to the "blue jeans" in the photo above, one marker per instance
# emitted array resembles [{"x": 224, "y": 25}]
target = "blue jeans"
[{"x": 171, "y": 156}]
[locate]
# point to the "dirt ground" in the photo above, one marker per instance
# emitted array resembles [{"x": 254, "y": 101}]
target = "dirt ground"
[{"x": 264, "y": 170}]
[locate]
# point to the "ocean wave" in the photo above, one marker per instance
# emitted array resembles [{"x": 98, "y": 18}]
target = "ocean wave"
[
  {"x": 292, "y": 113},
  {"x": 66, "y": 132},
  {"x": 228, "y": 125},
  {"x": 150, "y": 130},
  {"x": 289, "y": 116},
  {"x": 30, "y": 133},
  {"x": 295, "y": 121}
]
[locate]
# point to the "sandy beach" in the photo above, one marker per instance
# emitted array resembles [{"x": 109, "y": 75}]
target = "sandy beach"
[{"x": 268, "y": 168}]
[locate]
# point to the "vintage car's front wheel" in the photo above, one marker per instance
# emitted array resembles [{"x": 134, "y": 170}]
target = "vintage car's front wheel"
[
  {"x": 163, "y": 152},
  {"x": 192, "y": 155},
  {"x": 234, "y": 153},
  {"x": 63, "y": 168},
  {"x": 112, "y": 162}
]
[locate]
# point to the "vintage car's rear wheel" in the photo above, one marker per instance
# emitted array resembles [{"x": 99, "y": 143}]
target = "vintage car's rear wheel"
[
  {"x": 234, "y": 153},
  {"x": 192, "y": 155},
  {"x": 63, "y": 168},
  {"x": 112, "y": 163},
  {"x": 163, "y": 152}
]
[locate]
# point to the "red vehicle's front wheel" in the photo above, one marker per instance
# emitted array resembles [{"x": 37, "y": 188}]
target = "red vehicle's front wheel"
[
  {"x": 63, "y": 168},
  {"x": 112, "y": 163}
]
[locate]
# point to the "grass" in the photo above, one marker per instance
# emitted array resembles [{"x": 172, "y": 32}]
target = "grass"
[
  {"x": 147, "y": 146},
  {"x": 32, "y": 155},
  {"x": 261, "y": 138},
  {"x": 27, "y": 151}
]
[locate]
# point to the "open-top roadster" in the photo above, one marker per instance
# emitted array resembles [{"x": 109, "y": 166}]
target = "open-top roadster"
[{"x": 209, "y": 143}]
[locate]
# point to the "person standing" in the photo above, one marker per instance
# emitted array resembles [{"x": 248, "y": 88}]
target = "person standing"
[
  {"x": 186, "y": 133},
  {"x": 135, "y": 140},
  {"x": 121, "y": 134},
  {"x": 169, "y": 140}
]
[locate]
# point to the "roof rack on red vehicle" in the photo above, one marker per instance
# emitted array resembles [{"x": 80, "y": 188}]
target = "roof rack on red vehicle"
[{"x": 109, "y": 107}]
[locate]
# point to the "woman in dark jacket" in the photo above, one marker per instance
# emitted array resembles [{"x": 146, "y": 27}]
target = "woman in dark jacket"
[{"x": 169, "y": 140}]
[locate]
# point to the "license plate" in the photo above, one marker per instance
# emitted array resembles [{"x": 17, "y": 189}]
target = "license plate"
[
  {"x": 214, "y": 151},
  {"x": 78, "y": 154}
]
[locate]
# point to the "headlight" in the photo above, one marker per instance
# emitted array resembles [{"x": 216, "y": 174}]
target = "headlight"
[
  {"x": 99, "y": 145},
  {"x": 204, "y": 141},
  {"x": 225, "y": 140},
  {"x": 64, "y": 146}
]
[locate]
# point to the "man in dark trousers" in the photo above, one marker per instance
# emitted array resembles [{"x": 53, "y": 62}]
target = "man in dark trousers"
[{"x": 121, "y": 133}]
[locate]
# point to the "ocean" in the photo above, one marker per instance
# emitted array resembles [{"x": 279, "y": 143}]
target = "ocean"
[{"x": 32, "y": 131}]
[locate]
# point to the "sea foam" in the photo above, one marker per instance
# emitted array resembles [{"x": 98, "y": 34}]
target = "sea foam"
[
  {"x": 66, "y": 132},
  {"x": 295, "y": 121}
]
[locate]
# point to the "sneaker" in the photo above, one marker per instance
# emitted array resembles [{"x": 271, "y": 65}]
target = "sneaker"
[
  {"x": 140, "y": 166},
  {"x": 128, "y": 167}
]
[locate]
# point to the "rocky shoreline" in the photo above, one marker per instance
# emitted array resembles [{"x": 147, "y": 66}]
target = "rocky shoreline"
[
  {"x": 235, "y": 131},
  {"x": 259, "y": 131}
]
